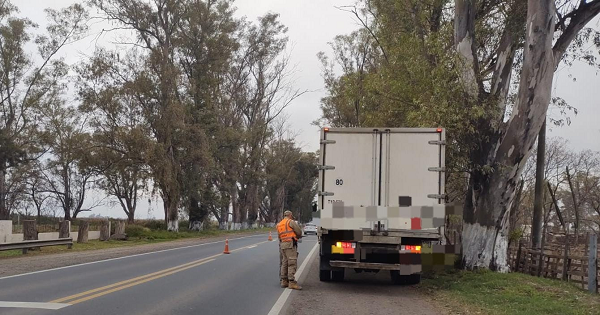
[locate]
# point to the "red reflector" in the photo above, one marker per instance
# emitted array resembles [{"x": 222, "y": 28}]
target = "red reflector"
[
  {"x": 325, "y": 129},
  {"x": 439, "y": 130}
]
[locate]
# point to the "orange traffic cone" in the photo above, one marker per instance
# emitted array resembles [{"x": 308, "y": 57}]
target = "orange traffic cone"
[
  {"x": 226, "y": 251},
  {"x": 270, "y": 237}
]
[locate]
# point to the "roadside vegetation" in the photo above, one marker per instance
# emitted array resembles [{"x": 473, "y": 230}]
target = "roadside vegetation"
[{"x": 485, "y": 292}]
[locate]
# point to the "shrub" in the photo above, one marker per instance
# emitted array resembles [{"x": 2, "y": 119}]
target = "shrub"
[
  {"x": 184, "y": 225},
  {"x": 136, "y": 230},
  {"x": 153, "y": 224}
]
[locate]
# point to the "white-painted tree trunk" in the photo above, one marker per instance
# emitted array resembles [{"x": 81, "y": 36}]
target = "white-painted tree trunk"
[
  {"x": 492, "y": 191},
  {"x": 483, "y": 247},
  {"x": 236, "y": 226},
  {"x": 196, "y": 226},
  {"x": 223, "y": 226},
  {"x": 245, "y": 225},
  {"x": 173, "y": 226}
]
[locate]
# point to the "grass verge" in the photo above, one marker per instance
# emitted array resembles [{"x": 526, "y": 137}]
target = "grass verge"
[
  {"x": 147, "y": 237},
  {"x": 486, "y": 292}
]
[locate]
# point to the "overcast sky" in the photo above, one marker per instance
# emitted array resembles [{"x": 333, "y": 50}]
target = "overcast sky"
[{"x": 314, "y": 23}]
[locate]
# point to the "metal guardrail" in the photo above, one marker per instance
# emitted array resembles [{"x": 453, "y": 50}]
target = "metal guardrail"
[{"x": 25, "y": 245}]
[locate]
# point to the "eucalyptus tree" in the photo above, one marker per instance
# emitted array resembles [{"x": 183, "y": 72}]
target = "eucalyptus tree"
[{"x": 29, "y": 82}]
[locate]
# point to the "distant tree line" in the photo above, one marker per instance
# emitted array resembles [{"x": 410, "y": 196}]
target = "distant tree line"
[{"x": 189, "y": 105}]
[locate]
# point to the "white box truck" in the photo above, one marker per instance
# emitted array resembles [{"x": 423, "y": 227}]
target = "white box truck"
[{"x": 380, "y": 198}]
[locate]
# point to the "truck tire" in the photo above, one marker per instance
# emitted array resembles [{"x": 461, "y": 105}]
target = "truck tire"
[
  {"x": 338, "y": 275},
  {"x": 325, "y": 275},
  {"x": 395, "y": 275},
  {"x": 405, "y": 279},
  {"x": 324, "y": 269}
]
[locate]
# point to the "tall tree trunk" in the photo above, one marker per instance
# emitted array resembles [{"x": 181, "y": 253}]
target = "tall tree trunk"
[
  {"x": 198, "y": 214},
  {"x": 464, "y": 28},
  {"x": 171, "y": 213},
  {"x": 4, "y": 215},
  {"x": 235, "y": 206},
  {"x": 279, "y": 204},
  {"x": 536, "y": 223},
  {"x": 253, "y": 205},
  {"x": 490, "y": 194},
  {"x": 513, "y": 218},
  {"x": 132, "y": 204}
]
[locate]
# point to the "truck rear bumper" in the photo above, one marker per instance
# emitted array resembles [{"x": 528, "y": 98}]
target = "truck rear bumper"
[{"x": 404, "y": 269}]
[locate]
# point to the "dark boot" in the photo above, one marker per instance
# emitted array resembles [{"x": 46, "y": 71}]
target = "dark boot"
[{"x": 284, "y": 283}]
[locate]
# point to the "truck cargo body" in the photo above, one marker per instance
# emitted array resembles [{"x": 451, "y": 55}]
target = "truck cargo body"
[{"x": 381, "y": 193}]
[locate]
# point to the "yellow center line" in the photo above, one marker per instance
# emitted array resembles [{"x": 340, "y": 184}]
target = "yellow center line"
[
  {"x": 136, "y": 283},
  {"x": 141, "y": 279},
  {"x": 61, "y": 300}
]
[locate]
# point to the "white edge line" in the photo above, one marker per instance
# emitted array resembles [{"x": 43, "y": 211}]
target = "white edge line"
[
  {"x": 123, "y": 257},
  {"x": 276, "y": 309},
  {"x": 45, "y": 306}
]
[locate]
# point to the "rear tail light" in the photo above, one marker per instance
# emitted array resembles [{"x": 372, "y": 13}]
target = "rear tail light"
[
  {"x": 345, "y": 245},
  {"x": 343, "y": 248},
  {"x": 411, "y": 248}
]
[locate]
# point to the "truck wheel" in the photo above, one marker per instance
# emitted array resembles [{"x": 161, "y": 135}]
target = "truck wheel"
[
  {"x": 395, "y": 275},
  {"x": 412, "y": 279},
  {"x": 324, "y": 269},
  {"x": 405, "y": 279},
  {"x": 324, "y": 275},
  {"x": 338, "y": 275}
]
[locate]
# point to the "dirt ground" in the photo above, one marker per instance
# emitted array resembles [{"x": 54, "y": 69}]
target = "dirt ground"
[
  {"x": 359, "y": 294},
  {"x": 22, "y": 264}
]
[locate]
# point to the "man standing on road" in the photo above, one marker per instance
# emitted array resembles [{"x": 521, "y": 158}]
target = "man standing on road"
[{"x": 289, "y": 233}]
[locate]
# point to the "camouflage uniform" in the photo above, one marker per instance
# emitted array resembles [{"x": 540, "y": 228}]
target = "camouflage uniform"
[{"x": 289, "y": 255}]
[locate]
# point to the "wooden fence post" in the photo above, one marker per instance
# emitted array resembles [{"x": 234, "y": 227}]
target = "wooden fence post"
[
  {"x": 64, "y": 229},
  {"x": 84, "y": 227},
  {"x": 104, "y": 230},
  {"x": 541, "y": 261},
  {"x": 592, "y": 264},
  {"x": 565, "y": 258},
  {"x": 518, "y": 263}
]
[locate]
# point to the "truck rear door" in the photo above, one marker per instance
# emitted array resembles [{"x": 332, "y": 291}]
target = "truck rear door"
[{"x": 376, "y": 167}]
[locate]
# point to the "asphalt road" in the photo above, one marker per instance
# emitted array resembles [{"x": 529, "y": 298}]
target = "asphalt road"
[{"x": 197, "y": 279}]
